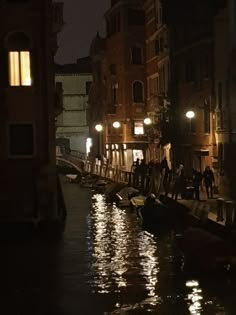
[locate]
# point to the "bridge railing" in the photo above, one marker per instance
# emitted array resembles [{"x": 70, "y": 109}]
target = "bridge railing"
[
  {"x": 77, "y": 154},
  {"x": 106, "y": 171},
  {"x": 110, "y": 172}
]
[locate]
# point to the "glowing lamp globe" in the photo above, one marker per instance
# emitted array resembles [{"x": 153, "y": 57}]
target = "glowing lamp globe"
[
  {"x": 190, "y": 114},
  {"x": 147, "y": 121},
  {"x": 99, "y": 127},
  {"x": 116, "y": 124}
]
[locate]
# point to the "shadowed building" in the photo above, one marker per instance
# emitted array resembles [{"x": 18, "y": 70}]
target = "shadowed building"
[
  {"x": 225, "y": 87},
  {"x": 27, "y": 156},
  {"x": 157, "y": 79},
  {"x": 97, "y": 95},
  {"x": 192, "y": 80}
]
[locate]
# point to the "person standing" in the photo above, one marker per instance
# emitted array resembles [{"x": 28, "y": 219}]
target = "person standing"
[
  {"x": 209, "y": 180},
  {"x": 179, "y": 184},
  {"x": 143, "y": 174},
  {"x": 136, "y": 172},
  {"x": 197, "y": 178},
  {"x": 164, "y": 173}
]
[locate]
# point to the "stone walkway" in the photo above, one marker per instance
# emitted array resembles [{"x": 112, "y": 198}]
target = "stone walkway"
[{"x": 211, "y": 205}]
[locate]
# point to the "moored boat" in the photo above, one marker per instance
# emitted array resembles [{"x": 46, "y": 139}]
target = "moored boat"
[{"x": 162, "y": 211}]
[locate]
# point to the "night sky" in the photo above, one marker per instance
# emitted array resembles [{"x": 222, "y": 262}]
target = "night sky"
[{"x": 83, "y": 18}]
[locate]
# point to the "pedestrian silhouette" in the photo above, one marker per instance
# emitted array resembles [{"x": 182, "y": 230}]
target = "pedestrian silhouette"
[
  {"x": 179, "y": 183},
  {"x": 196, "y": 180},
  {"x": 137, "y": 174},
  {"x": 209, "y": 179}
]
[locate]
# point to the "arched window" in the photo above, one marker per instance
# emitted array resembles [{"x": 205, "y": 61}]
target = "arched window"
[
  {"x": 137, "y": 92},
  {"x": 19, "y": 60}
]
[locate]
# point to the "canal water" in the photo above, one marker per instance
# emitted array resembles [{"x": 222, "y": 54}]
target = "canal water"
[{"x": 106, "y": 263}]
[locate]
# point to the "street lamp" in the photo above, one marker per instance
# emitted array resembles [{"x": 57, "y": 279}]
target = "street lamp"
[
  {"x": 147, "y": 121},
  {"x": 190, "y": 115},
  {"x": 116, "y": 124},
  {"x": 99, "y": 129}
]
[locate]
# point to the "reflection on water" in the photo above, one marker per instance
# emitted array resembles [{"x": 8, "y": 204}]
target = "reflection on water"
[
  {"x": 105, "y": 264},
  {"x": 142, "y": 272},
  {"x": 194, "y": 297},
  {"x": 149, "y": 266},
  {"x": 119, "y": 249}
]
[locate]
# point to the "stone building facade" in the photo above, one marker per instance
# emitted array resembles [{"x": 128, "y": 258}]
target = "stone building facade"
[
  {"x": 72, "y": 130},
  {"x": 122, "y": 69},
  {"x": 157, "y": 78},
  {"x": 192, "y": 81},
  {"x": 225, "y": 84}
]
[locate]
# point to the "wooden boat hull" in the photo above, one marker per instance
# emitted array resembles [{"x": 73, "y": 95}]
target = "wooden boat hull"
[{"x": 167, "y": 214}]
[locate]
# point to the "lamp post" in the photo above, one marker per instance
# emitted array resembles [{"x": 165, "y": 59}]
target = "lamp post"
[
  {"x": 116, "y": 157},
  {"x": 99, "y": 129},
  {"x": 190, "y": 115},
  {"x": 151, "y": 135}
]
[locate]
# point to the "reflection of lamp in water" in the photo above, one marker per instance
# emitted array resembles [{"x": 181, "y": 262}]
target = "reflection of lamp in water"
[
  {"x": 194, "y": 297},
  {"x": 190, "y": 115},
  {"x": 99, "y": 129}
]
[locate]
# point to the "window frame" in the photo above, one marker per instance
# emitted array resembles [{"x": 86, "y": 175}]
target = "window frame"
[
  {"x": 136, "y": 50},
  {"x": 134, "y": 97},
  {"x": 18, "y": 42},
  {"x": 20, "y": 76},
  {"x": 207, "y": 121},
  {"x": 134, "y": 127}
]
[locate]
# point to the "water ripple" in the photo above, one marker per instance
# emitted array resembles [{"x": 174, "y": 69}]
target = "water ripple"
[{"x": 136, "y": 267}]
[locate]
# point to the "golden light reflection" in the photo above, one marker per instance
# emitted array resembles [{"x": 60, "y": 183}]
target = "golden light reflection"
[
  {"x": 119, "y": 246},
  {"x": 149, "y": 262},
  {"x": 101, "y": 258},
  {"x": 133, "y": 267},
  {"x": 122, "y": 256},
  {"x": 195, "y": 297},
  {"x": 110, "y": 246}
]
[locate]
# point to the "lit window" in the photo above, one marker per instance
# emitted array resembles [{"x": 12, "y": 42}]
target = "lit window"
[
  {"x": 19, "y": 68},
  {"x": 138, "y": 128}
]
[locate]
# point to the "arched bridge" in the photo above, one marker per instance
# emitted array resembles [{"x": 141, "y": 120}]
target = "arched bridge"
[{"x": 76, "y": 163}]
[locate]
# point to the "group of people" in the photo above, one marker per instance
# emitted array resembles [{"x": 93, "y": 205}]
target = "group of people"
[
  {"x": 155, "y": 176},
  {"x": 152, "y": 176},
  {"x": 195, "y": 182}
]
